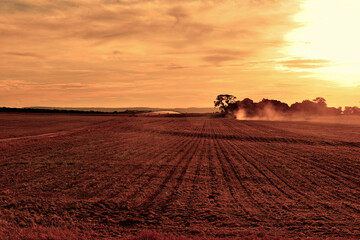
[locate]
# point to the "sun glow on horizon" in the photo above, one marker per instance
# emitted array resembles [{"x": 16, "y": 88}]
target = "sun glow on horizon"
[{"x": 329, "y": 32}]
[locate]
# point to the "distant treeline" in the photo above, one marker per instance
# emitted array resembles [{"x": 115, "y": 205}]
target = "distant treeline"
[
  {"x": 41, "y": 110},
  {"x": 130, "y": 112},
  {"x": 247, "y": 108}
]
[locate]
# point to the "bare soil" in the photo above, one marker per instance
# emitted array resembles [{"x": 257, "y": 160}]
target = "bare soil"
[{"x": 113, "y": 176}]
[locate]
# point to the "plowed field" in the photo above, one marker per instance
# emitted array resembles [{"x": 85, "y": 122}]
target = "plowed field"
[{"x": 116, "y": 175}]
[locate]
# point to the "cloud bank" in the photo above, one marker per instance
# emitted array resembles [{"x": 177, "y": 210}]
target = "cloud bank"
[{"x": 147, "y": 53}]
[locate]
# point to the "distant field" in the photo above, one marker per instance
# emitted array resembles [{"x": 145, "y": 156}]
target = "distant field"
[{"x": 111, "y": 176}]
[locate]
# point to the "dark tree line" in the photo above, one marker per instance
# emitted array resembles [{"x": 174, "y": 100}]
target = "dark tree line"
[
  {"x": 351, "y": 111},
  {"x": 228, "y": 104},
  {"x": 41, "y": 110}
]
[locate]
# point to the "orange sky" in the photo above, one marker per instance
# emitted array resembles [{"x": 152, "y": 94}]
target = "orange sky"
[{"x": 164, "y": 53}]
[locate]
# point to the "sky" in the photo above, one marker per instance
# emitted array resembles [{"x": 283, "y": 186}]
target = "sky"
[{"x": 165, "y": 53}]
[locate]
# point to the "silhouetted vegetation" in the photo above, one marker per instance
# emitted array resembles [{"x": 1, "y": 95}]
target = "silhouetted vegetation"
[
  {"x": 129, "y": 112},
  {"x": 317, "y": 106},
  {"x": 266, "y": 108},
  {"x": 224, "y": 101},
  {"x": 43, "y": 110},
  {"x": 351, "y": 111},
  {"x": 261, "y": 109}
]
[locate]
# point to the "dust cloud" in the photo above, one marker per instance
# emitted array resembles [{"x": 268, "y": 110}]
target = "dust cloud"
[
  {"x": 312, "y": 111},
  {"x": 267, "y": 113}
]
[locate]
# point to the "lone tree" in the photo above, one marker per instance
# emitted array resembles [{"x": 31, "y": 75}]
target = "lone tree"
[{"x": 223, "y": 101}]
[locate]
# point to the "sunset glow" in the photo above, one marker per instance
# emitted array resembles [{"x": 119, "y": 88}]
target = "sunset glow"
[
  {"x": 165, "y": 119},
  {"x": 329, "y": 33},
  {"x": 166, "y": 54}
]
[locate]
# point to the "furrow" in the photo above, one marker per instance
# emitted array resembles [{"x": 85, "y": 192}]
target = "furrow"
[{"x": 149, "y": 200}]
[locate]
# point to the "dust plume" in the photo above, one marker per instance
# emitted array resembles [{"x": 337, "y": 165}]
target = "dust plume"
[
  {"x": 271, "y": 110},
  {"x": 274, "y": 110}
]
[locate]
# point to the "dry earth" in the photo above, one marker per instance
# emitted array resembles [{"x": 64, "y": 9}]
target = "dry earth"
[{"x": 110, "y": 176}]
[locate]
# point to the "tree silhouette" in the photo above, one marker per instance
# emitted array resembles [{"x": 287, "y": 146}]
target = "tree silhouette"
[
  {"x": 223, "y": 101},
  {"x": 320, "y": 101}
]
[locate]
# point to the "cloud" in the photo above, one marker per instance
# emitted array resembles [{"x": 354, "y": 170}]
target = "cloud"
[
  {"x": 307, "y": 63},
  {"x": 28, "y": 6},
  {"x": 178, "y": 13},
  {"x": 141, "y": 47},
  {"x": 218, "y": 59},
  {"x": 23, "y": 54},
  {"x": 220, "y": 55},
  {"x": 13, "y": 6},
  {"x": 172, "y": 66},
  {"x": 11, "y": 84}
]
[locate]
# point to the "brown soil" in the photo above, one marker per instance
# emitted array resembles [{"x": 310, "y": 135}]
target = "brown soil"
[{"x": 108, "y": 177}]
